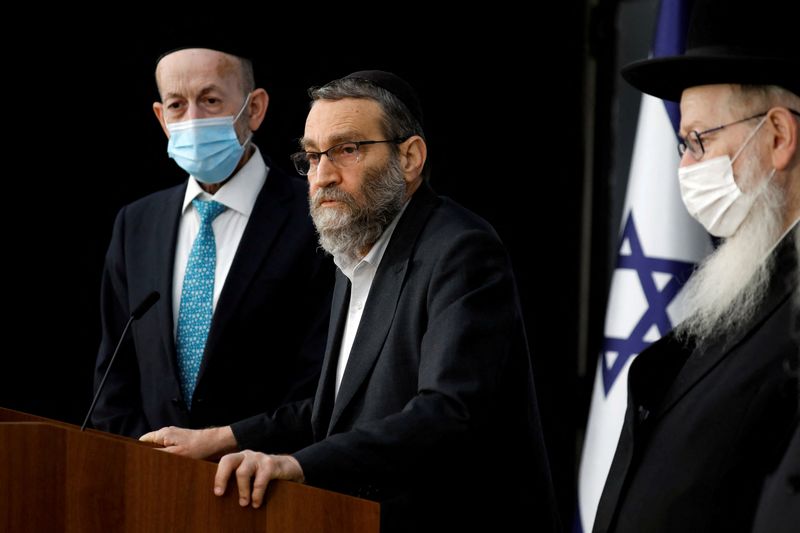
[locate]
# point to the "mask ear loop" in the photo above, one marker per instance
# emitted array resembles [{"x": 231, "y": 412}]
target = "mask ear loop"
[
  {"x": 747, "y": 140},
  {"x": 244, "y": 106},
  {"x": 239, "y": 114},
  {"x": 761, "y": 187},
  {"x": 764, "y": 184}
]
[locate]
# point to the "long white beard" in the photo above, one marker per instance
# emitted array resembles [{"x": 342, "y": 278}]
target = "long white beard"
[{"x": 730, "y": 284}]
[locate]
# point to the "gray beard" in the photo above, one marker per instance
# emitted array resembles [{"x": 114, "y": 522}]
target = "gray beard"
[
  {"x": 348, "y": 231},
  {"x": 730, "y": 284}
]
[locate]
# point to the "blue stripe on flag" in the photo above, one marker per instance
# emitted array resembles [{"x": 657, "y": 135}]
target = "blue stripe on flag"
[{"x": 670, "y": 40}]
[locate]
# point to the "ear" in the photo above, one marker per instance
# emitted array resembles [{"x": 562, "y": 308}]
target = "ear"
[
  {"x": 158, "y": 109},
  {"x": 257, "y": 108},
  {"x": 784, "y": 140},
  {"x": 413, "y": 153}
]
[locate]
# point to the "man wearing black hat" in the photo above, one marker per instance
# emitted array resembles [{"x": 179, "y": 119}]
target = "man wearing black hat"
[
  {"x": 426, "y": 401},
  {"x": 711, "y": 406},
  {"x": 245, "y": 293}
]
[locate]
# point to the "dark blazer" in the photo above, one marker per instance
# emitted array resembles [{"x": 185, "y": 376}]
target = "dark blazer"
[
  {"x": 704, "y": 427},
  {"x": 779, "y": 506},
  {"x": 436, "y": 416},
  {"x": 267, "y": 335}
]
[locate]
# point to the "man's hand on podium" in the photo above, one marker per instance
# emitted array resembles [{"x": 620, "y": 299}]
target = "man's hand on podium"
[
  {"x": 258, "y": 468},
  {"x": 208, "y": 443}
]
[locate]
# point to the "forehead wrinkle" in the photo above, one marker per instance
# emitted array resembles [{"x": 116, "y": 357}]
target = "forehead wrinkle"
[
  {"x": 188, "y": 72},
  {"x": 330, "y": 122},
  {"x": 704, "y": 107}
]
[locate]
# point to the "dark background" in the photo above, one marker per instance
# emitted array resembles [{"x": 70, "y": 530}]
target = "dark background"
[{"x": 512, "y": 136}]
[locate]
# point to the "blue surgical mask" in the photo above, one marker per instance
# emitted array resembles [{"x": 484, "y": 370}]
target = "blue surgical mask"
[{"x": 207, "y": 148}]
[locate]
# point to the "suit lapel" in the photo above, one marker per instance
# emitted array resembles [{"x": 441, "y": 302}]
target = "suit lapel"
[
  {"x": 700, "y": 364},
  {"x": 164, "y": 253},
  {"x": 651, "y": 374},
  {"x": 382, "y": 300},
  {"x": 266, "y": 222},
  {"x": 323, "y": 401}
]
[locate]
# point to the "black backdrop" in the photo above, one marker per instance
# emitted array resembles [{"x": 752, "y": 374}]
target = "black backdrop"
[{"x": 504, "y": 122}]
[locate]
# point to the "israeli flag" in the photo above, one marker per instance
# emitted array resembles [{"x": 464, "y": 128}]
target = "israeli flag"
[{"x": 659, "y": 246}]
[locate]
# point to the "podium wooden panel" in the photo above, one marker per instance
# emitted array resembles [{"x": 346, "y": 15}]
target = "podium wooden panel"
[{"x": 55, "y": 478}]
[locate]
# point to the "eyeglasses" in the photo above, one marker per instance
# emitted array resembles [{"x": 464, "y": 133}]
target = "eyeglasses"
[
  {"x": 694, "y": 143},
  {"x": 342, "y": 155}
]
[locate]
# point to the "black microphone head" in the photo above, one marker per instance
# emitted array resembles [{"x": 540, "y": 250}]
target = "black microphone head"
[{"x": 145, "y": 306}]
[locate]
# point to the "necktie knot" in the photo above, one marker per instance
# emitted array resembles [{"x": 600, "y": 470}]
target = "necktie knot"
[{"x": 208, "y": 210}]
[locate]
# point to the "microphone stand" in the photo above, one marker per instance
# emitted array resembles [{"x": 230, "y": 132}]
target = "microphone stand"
[{"x": 105, "y": 375}]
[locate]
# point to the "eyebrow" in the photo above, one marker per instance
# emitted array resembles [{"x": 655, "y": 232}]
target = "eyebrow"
[
  {"x": 692, "y": 126},
  {"x": 204, "y": 91},
  {"x": 333, "y": 140}
]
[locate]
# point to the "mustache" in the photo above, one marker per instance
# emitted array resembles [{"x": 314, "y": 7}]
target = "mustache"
[{"x": 331, "y": 193}]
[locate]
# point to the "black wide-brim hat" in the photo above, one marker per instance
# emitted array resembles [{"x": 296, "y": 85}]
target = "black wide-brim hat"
[{"x": 728, "y": 41}]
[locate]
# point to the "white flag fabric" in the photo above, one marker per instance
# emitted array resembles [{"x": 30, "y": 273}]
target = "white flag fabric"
[{"x": 659, "y": 246}]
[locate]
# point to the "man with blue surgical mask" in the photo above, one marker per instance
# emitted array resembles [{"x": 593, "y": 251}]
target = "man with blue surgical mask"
[
  {"x": 207, "y": 148},
  {"x": 712, "y": 406},
  {"x": 233, "y": 253}
]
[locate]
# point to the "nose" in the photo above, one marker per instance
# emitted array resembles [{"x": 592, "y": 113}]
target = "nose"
[
  {"x": 687, "y": 159},
  {"x": 193, "y": 111},
  {"x": 326, "y": 173}
]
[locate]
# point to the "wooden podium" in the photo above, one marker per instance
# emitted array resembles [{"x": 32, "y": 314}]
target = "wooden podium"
[{"x": 55, "y": 478}]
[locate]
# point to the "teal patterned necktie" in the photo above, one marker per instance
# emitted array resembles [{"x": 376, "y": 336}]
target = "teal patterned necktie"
[{"x": 197, "y": 298}]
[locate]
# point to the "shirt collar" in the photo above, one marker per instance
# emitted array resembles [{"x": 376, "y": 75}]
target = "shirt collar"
[{"x": 240, "y": 192}]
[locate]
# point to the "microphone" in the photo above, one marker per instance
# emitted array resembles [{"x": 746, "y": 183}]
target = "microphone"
[{"x": 137, "y": 313}]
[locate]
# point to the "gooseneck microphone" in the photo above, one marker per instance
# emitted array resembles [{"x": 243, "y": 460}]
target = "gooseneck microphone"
[{"x": 137, "y": 313}]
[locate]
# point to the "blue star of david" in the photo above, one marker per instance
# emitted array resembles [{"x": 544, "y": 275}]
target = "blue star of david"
[{"x": 657, "y": 301}]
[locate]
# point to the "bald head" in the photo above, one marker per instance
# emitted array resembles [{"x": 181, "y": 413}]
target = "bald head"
[
  {"x": 199, "y": 83},
  {"x": 207, "y": 65}
]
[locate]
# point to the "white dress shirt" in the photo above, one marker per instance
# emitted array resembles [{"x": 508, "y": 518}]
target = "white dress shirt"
[
  {"x": 361, "y": 275},
  {"x": 239, "y": 196}
]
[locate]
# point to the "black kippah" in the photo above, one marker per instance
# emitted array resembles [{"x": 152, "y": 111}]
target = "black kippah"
[
  {"x": 395, "y": 85},
  {"x": 227, "y": 42}
]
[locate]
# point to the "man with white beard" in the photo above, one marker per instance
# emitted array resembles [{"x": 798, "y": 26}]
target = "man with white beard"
[
  {"x": 727, "y": 288},
  {"x": 711, "y": 407}
]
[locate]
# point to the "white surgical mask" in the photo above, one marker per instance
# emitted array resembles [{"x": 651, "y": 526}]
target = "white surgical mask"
[{"x": 710, "y": 193}]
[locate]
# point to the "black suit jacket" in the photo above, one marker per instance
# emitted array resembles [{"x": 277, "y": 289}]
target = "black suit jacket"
[
  {"x": 778, "y": 508},
  {"x": 436, "y": 416},
  {"x": 267, "y": 335},
  {"x": 704, "y": 428}
]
